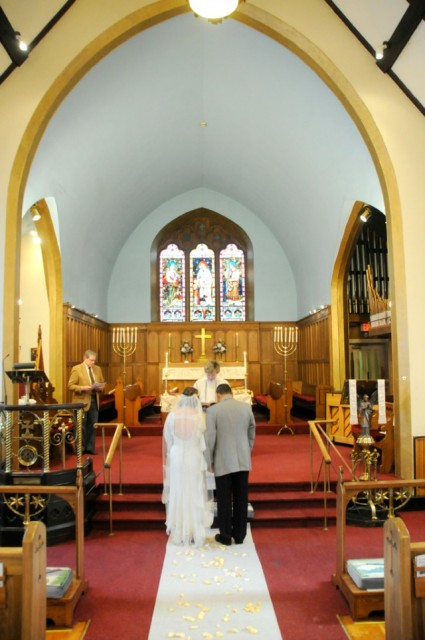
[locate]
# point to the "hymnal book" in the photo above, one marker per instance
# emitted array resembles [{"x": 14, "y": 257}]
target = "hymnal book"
[
  {"x": 367, "y": 573},
  {"x": 58, "y": 580},
  {"x": 420, "y": 565}
]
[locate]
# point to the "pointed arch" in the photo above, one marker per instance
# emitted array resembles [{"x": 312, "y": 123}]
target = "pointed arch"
[{"x": 270, "y": 25}]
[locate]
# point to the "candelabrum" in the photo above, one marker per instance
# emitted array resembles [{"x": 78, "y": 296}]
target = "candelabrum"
[
  {"x": 124, "y": 342},
  {"x": 285, "y": 343}
]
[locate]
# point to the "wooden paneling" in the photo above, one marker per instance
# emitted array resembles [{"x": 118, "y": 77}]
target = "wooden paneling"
[
  {"x": 420, "y": 460},
  {"x": 314, "y": 348},
  {"x": 155, "y": 339}
]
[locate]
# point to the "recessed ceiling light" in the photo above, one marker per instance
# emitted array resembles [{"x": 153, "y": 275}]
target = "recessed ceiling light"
[{"x": 203, "y": 123}]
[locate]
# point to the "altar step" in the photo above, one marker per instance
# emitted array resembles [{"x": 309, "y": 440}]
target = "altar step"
[
  {"x": 154, "y": 427},
  {"x": 272, "y": 505}
]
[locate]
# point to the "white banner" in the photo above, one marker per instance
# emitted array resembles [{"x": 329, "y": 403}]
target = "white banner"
[
  {"x": 352, "y": 394},
  {"x": 382, "y": 413}
]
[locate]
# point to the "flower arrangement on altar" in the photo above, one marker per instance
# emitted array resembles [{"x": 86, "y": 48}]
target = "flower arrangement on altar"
[
  {"x": 186, "y": 349},
  {"x": 220, "y": 348}
]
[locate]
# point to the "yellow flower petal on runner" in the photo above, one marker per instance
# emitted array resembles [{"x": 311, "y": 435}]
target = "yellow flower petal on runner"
[
  {"x": 252, "y": 608},
  {"x": 252, "y": 630}
]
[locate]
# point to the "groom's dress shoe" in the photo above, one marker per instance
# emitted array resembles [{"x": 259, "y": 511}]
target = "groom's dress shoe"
[{"x": 223, "y": 540}]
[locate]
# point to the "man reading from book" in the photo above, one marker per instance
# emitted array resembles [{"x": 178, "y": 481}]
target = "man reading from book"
[{"x": 86, "y": 383}]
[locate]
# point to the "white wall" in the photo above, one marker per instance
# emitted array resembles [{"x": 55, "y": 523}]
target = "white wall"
[{"x": 129, "y": 290}]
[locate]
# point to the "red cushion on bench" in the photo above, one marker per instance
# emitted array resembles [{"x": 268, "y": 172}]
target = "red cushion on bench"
[
  {"x": 261, "y": 399},
  {"x": 147, "y": 401},
  {"x": 105, "y": 401},
  {"x": 300, "y": 396}
]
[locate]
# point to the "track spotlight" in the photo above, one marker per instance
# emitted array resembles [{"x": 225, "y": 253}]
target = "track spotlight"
[
  {"x": 380, "y": 51},
  {"x": 35, "y": 214},
  {"x": 365, "y": 214},
  {"x": 21, "y": 43}
]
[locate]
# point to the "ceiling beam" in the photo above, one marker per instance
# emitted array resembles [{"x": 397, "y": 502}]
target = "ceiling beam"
[
  {"x": 10, "y": 41},
  {"x": 402, "y": 34}
]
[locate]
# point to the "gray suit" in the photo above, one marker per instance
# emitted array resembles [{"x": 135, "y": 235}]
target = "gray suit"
[{"x": 229, "y": 438}]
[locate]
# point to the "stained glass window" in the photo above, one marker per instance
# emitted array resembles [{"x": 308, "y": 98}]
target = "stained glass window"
[
  {"x": 172, "y": 282},
  {"x": 232, "y": 283},
  {"x": 202, "y": 279}
]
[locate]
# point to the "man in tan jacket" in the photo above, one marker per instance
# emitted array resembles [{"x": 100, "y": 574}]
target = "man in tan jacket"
[{"x": 86, "y": 383}]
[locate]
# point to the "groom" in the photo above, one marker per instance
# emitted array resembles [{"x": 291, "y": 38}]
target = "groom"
[{"x": 229, "y": 438}]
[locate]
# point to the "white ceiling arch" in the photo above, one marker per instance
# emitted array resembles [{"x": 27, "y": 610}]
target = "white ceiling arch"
[{"x": 128, "y": 139}]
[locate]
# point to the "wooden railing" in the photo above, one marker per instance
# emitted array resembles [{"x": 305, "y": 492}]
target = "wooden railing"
[
  {"x": 325, "y": 445},
  {"x": 108, "y": 458}
]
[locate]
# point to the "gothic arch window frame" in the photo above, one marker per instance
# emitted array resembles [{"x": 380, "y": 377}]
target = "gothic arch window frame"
[{"x": 202, "y": 226}]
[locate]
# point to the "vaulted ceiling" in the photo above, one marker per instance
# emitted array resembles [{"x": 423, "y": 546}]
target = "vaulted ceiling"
[{"x": 187, "y": 106}]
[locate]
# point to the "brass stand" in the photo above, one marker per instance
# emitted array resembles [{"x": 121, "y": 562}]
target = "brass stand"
[
  {"x": 285, "y": 344},
  {"x": 124, "y": 342}
]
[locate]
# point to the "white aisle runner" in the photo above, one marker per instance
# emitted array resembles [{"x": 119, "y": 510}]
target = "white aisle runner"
[{"x": 213, "y": 592}]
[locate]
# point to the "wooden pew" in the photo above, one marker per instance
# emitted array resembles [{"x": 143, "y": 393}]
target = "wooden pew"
[
  {"x": 404, "y": 592},
  {"x": 129, "y": 401},
  {"x": 23, "y": 587},
  {"x": 310, "y": 398}
]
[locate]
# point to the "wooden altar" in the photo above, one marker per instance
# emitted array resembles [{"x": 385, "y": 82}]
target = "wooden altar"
[{"x": 178, "y": 376}]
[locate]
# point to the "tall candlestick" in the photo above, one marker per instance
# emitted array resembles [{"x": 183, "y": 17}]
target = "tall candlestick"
[{"x": 166, "y": 360}]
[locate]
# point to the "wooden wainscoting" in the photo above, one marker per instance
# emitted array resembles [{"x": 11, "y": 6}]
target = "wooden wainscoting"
[{"x": 154, "y": 340}]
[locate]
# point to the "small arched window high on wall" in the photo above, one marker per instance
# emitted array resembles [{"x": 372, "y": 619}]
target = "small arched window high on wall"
[{"x": 201, "y": 270}]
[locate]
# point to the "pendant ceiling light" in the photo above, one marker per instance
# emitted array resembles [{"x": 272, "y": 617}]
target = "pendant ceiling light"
[{"x": 213, "y": 9}]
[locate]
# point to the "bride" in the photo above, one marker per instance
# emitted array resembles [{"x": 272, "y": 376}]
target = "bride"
[{"x": 189, "y": 504}]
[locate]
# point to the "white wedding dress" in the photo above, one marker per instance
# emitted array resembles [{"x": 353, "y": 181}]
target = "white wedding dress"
[{"x": 189, "y": 504}]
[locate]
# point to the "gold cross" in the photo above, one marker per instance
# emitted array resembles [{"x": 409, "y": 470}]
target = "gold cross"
[{"x": 203, "y": 337}]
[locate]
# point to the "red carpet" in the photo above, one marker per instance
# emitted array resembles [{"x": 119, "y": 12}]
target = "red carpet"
[{"x": 123, "y": 570}]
